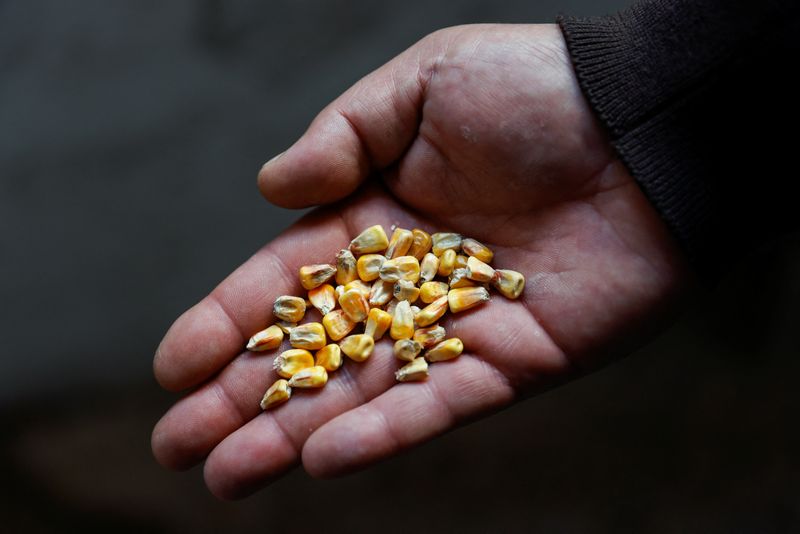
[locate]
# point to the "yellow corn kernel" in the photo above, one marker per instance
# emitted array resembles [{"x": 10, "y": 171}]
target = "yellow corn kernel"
[
  {"x": 479, "y": 271},
  {"x": 402, "y": 321},
  {"x": 430, "y": 291},
  {"x": 401, "y": 268},
  {"x": 268, "y": 339},
  {"x": 309, "y": 336},
  {"x": 329, "y": 357},
  {"x": 413, "y": 371},
  {"x": 407, "y": 349},
  {"x": 466, "y": 297},
  {"x": 346, "y": 270},
  {"x": 445, "y": 241},
  {"x": 312, "y": 276},
  {"x": 290, "y": 309},
  {"x": 373, "y": 239},
  {"x": 447, "y": 262},
  {"x": 311, "y": 377},
  {"x": 285, "y": 326},
  {"x": 323, "y": 298},
  {"x": 292, "y": 361},
  {"x": 461, "y": 261},
  {"x": 432, "y": 312},
  {"x": 446, "y": 350},
  {"x": 429, "y": 267},
  {"x": 369, "y": 266},
  {"x": 378, "y": 322},
  {"x": 337, "y": 324},
  {"x": 338, "y": 291},
  {"x": 509, "y": 283},
  {"x": 458, "y": 278},
  {"x": 429, "y": 336},
  {"x": 278, "y": 393},
  {"x": 420, "y": 245},
  {"x": 381, "y": 293},
  {"x": 476, "y": 249},
  {"x": 399, "y": 243},
  {"x": 358, "y": 347},
  {"x": 406, "y": 290},
  {"x": 363, "y": 287},
  {"x": 354, "y": 305}
]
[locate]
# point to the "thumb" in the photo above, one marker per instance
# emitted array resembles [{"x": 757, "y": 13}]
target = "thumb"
[{"x": 367, "y": 128}]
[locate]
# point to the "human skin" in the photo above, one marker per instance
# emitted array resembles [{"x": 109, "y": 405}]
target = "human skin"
[{"x": 480, "y": 130}]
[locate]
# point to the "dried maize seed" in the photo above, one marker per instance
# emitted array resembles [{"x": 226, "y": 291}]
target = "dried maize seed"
[
  {"x": 402, "y": 321},
  {"x": 458, "y": 278},
  {"x": 407, "y": 349},
  {"x": 399, "y": 243},
  {"x": 309, "y": 336},
  {"x": 401, "y": 268},
  {"x": 329, "y": 357},
  {"x": 369, "y": 266},
  {"x": 429, "y": 336},
  {"x": 346, "y": 270},
  {"x": 358, "y": 347},
  {"x": 378, "y": 322},
  {"x": 420, "y": 245},
  {"x": 479, "y": 271},
  {"x": 391, "y": 306},
  {"x": 466, "y": 297},
  {"x": 354, "y": 305},
  {"x": 285, "y": 326},
  {"x": 412, "y": 371},
  {"x": 292, "y": 361},
  {"x": 268, "y": 339},
  {"x": 429, "y": 267},
  {"x": 430, "y": 291},
  {"x": 312, "y": 276},
  {"x": 447, "y": 262},
  {"x": 373, "y": 239},
  {"x": 381, "y": 293},
  {"x": 445, "y": 241},
  {"x": 406, "y": 290},
  {"x": 323, "y": 298},
  {"x": 461, "y": 262},
  {"x": 288, "y": 308},
  {"x": 432, "y": 312},
  {"x": 415, "y": 309},
  {"x": 278, "y": 393},
  {"x": 337, "y": 324},
  {"x": 476, "y": 249},
  {"x": 446, "y": 350},
  {"x": 509, "y": 283},
  {"x": 338, "y": 291},
  {"x": 311, "y": 377},
  {"x": 363, "y": 287}
]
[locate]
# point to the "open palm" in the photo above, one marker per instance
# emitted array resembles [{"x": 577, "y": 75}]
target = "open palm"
[{"x": 480, "y": 130}]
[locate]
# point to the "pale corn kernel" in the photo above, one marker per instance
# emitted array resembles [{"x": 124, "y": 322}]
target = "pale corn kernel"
[
  {"x": 442, "y": 241},
  {"x": 447, "y": 262},
  {"x": 337, "y": 324},
  {"x": 429, "y": 267},
  {"x": 346, "y": 270},
  {"x": 292, "y": 361},
  {"x": 402, "y": 321},
  {"x": 323, "y": 298},
  {"x": 288, "y": 308},
  {"x": 478, "y": 270},
  {"x": 446, "y": 350},
  {"x": 412, "y": 371},
  {"x": 329, "y": 357},
  {"x": 407, "y": 349},
  {"x": 373, "y": 239},
  {"x": 461, "y": 261},
  {"x": 354, "y": 305},
  {"x": 363, "y": 287},
  {"x": 458, "y": 278},
  {"x": 391, "y": 306},
  {"x": 381, "y": 293},
  {"x": 268, "y": 339},
  {"x": 509, "y": 283},
  {"x": 285, "y": 326},
  {"x": 421, "y": 244},
  {"x": 312, "y": 276},
  {"x": 369, "y": 266},
  {"x": 432, "y": 312},
  {"x": 338, "y": 291},
  {"x": 309, "y": 336},
  {"x": 401, "y": 268},
  {"x": 358, "y": 347},
  {"x": 399, "y": 243},
  {"x": 476, "y": 249},
  {"x": 378, "y": 322},
  {"x": 429, "y": 336},
  {"x": 311, "y": 377},
  {"x": 278, "y": 393},
  {"x": 466, "y": 297},
  {"x": 430, "y": 291},
  {"x": 406, "y": 290},
  {"x": 415, "y": 309}
]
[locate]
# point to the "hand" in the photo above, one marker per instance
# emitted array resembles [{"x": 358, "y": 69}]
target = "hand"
[{"x": 480, "y": 130}]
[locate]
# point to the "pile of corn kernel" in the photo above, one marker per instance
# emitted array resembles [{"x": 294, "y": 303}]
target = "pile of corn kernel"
[{"x": 379, "y": 290}]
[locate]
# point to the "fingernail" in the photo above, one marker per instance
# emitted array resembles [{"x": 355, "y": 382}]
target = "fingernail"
[{"x": 273, "y": 159}]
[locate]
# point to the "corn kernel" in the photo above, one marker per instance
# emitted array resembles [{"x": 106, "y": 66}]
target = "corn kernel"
[
  {"x": 476, "y": 249},
  {"x": 277, "y": 394},
  {"x": 285, "y": 326},
  {"x": 378, "y": 322},
  {"x": 329, "y": 357},
  {"x": 509, "y": 283},
  {"x": 461, "y": 262},
  {"x": 312, "y": 276},
  {"x": 446, "y": 350},
  {"x": 355, "y": 305},
  {"x": 290, "y": 309},
  {"x": 430, "y": 291},
  {"x": 415, "y": 310},
  {"x": 445, "y": 241},
  {"x": 479, "y": 271},
  {"x": 399, "y": 243},
  {"x": 311, "y": 377},
  {"x": 412, "y": 371},
  {"x": 429, "y": 267},
  {"x": 309, "y": 336},
  {"x": 338, "y": 291},
  {"x": 421, "y": 244},
  {"x": 447, "y": 262},
  {"x": 323, "y": 298},
  {"x": 292, "y": 361},
  {"x": 363, "y": 287},
  {"x": 337, "y": 324},
  {"x": 358, "y": 347},
  {"x": 373, "y": 239},
  {"x": 406, "y": 290},
  {"x": 432, "y": 312},
  {"x": 402, "y": 321},
  {"x": 466, "y": 297},
  {"x": 268, "y": 339},
  {"x": 401, "y": 268},
  {"x": 381, "y": 293},
  {"x": 458, "y": 278},
  {"x": 369, "y": 266},
  {"x": 407, "y": 349},
  {"x": 391, "y": 306},
  {"x": 429, "y": 336},
  {"x": 346, "y": 270}
]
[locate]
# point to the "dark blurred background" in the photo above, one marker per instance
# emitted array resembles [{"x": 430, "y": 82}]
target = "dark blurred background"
[{"x": 130, "y": 135}]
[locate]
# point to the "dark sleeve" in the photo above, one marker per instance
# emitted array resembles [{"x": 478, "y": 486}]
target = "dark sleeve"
[{"x": 699, "y": 100}]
